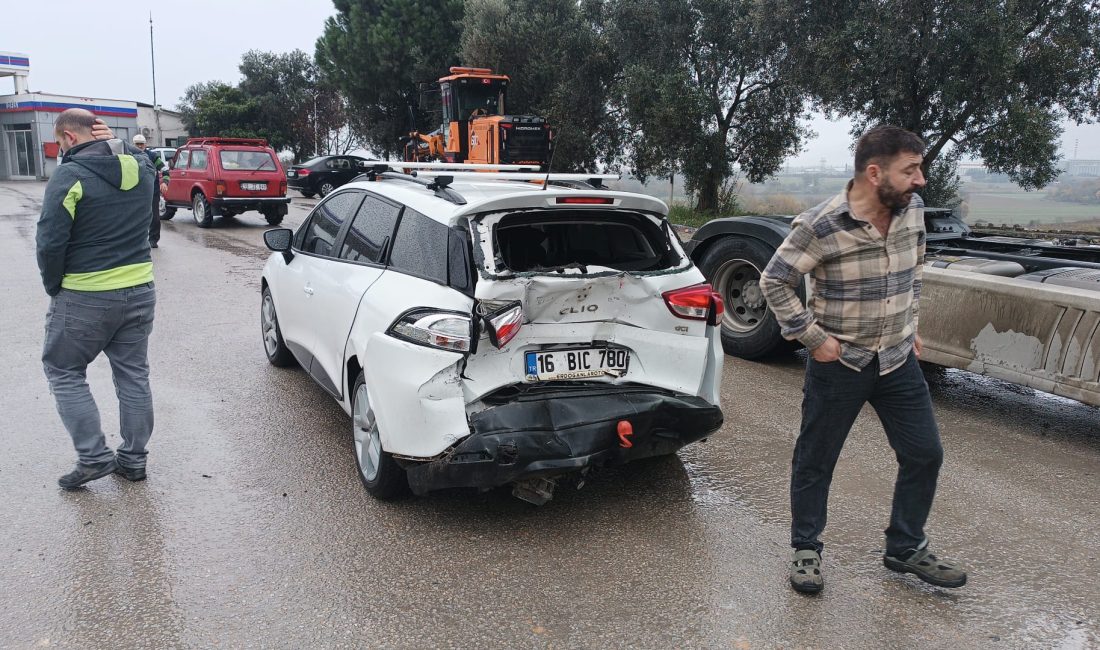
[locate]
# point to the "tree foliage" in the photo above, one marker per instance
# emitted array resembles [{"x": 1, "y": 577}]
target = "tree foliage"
[
  {"x": 560, "y": 67},
  {"x": 377, "y": 51},
  {"x": 991, "y": 79},
  {"x": 704, "y": 91},
  {"x": 281, "y": 97}
]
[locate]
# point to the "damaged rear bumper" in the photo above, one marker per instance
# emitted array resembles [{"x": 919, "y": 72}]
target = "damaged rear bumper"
[{"x": 556, "y": 430}]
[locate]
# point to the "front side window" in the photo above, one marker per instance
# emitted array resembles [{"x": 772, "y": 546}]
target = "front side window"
[
  {"x": 325, "y": 223},
  {"x": 246, "y": 161},
  {"x": 182, "y": 159},
  {"x": 372, "y": 227}
]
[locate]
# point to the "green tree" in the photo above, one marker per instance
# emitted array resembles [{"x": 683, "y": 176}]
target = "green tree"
[
  {"x": 560, "y": 67},
  {"x": 992, "y": 79},
  {"x": 377, "y": 51},
  {"x": 281, "y": 97},
  {"x": 217, "y": 108},
  {"x": 282, "y": 86},
  {"x": 704, "y": 91}
]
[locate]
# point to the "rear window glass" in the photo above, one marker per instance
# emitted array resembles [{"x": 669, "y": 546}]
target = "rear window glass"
[
  {"x": 246, "y": 160},
  {"x": 368, "y": 233},
  {"x": 541, "y": 241}
]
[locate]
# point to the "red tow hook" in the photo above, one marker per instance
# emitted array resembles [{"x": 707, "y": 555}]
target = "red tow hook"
[{"x": 625, "y": 429}]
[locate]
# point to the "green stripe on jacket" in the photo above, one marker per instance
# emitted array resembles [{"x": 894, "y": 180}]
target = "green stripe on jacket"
[
  {"x": 130, "y": 177},
  {"x": 72, "y": 197},
  {"x": 120, "y": 277}
]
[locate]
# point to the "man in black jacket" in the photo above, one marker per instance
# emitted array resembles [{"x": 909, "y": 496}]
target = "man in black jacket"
[
  {"x": 161, "y": 169},
  {"x": 93, "y": 254}
]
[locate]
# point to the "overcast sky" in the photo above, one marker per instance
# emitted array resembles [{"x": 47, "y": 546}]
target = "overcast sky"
[{"x": 101, "y": 50}]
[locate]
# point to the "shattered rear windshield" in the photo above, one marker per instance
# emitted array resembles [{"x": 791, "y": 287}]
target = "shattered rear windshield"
[{"x": 559, "y": 240}]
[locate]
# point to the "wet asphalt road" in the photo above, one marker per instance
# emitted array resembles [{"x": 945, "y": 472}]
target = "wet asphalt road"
[{"x": 253, "y": 530}]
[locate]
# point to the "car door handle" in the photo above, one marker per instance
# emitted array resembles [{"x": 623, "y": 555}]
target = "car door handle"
[{"x": 308, "y": 290}]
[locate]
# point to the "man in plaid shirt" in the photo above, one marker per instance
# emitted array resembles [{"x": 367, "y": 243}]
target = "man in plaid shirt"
[{"x": 863, "y": 251}]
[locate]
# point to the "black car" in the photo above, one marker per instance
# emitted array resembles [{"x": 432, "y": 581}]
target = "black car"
[{"x": 323, "y": 174}]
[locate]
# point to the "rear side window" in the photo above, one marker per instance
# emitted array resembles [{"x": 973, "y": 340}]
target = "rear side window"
[
  {"x": 430, "y": 250},
  {"x": 420, "y": 248},
  {"x": 198, "y": 159},
  {"x": 325, "y": 223},
  {"x": 539, "y": 241},
  {"x": 182, "y": 159},
  {"x": 370, "y": 229}
]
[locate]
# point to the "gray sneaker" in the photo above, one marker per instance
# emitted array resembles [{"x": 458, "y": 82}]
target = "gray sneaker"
[
  {"x": 806, "y": 576},
  {"x": 925, "y": 565}
]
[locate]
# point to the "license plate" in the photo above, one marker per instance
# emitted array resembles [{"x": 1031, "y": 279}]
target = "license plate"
[
  {"x": 291, "y": 174},
  {"x": 253, "y": 186},
  {"x": 579, "y": 363}
]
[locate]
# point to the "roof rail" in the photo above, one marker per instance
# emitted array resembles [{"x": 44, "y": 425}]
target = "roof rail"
[
  {"x": 439, "y": 185},
  {"x": 397, "y": 165},
  {"x": 592, "y": 179},
  {"x": 255, "y": 142}
]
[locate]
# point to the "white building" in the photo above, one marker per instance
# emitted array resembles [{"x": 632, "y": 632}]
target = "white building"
[{"x": 28, "y": 149}]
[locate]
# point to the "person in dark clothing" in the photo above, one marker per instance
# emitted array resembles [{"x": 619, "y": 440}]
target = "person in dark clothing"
[
  {"x": 93, "y": 253},
  {"x": 161, "y": 169}
]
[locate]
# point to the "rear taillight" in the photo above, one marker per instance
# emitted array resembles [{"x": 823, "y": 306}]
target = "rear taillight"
[
  {"x": 303, "y": 172},
  {"x": 503, "y": 322},
  {"x": 219, "y": 187},
  {"x": 282, "y": 187},
  {"x": 698, "y": 302},
  {"x": 434, "y": 329}
]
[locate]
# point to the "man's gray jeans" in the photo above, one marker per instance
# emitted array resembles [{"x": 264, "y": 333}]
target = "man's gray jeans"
[{"x": 80, "y": 325}]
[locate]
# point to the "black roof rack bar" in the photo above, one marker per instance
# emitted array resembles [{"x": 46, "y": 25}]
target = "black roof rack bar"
[{"x": 440, "y": 189}]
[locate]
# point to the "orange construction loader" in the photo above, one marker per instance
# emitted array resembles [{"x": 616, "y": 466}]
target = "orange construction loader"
[{"x": 475, "y": 127}]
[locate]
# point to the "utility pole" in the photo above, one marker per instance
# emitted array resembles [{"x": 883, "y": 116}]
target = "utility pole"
[{"x": 159, "y": 140}]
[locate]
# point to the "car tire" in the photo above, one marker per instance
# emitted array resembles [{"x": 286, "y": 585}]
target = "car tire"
[
  {"x": 326, "y": 189},
  {"x": 278, "y": 354},
  {"x": 201, "y": 210},
  {"x": 167, "y": 213},
  {"x": 380, "y": 474},
  {"x": 273, "y": 218},
  {"x": 308, "y": 195},
  {"x": 749, "y": 330}
]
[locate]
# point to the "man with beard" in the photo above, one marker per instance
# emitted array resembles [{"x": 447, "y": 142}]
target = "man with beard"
[{"x": 863, "y": 250}]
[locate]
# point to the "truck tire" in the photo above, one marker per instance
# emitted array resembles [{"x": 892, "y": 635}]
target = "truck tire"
[
  {"x": 201, "y": 210},
  {"x": 749, "y": 330}
]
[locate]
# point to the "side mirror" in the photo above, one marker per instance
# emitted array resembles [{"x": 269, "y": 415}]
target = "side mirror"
[{"x": 279, "y": 241}]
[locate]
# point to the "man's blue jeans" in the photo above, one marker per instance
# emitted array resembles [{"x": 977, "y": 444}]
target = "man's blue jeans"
[
  {"x": 834, "y": 395},
  {"x": 79, "y": 326}
]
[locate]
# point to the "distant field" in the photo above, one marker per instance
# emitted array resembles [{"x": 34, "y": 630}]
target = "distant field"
[{"x": 1025, "y": 207}]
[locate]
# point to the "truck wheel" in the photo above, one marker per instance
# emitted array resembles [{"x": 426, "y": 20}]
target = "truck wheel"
[
  {"x": 378, "y": 471},
  {"x": 733, "y": 266},
  {"x": 200, "y": 209}
]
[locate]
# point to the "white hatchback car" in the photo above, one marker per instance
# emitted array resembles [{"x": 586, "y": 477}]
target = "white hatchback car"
[{"x": 484, "y": 331}]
